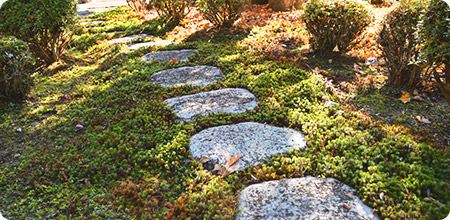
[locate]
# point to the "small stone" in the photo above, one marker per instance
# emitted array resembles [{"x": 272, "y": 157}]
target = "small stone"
[
  {"x": 129, "y": 39},
  {"x": 162, "y": 56},
  {"x": 78, "y": 127},
  {"x": 92, "y": 22},
  {"x": 188, "y": 75},
  {"x": 225, "y": 100},
  {"x": 16, "y": 155},
  {"x": 19, "y": 129},
  {"x": 253, "y": 142},
  {"x": 158, "y": 43},
  {"x": 302, "y": 198}
]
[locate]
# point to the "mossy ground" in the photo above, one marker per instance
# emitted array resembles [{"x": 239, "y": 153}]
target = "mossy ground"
[{"x": 130, "y": 159}]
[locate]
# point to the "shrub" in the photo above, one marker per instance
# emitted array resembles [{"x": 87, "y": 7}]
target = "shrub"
[
  {"x": 399, "y": 41},
  {"x": 176, "y": 10},
  {"x": 435, "y": 36},
  {"x": 42, "y": 23},
  {"x": 222, "y": 13},
  {"x": 335, "y": 23},
  {"x": 16, "y": 62},
  {"x": 137, "y": 5}
]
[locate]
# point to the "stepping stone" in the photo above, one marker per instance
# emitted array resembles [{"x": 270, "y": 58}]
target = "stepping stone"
[
  {"x": 150, "y": 44},
  {"x": 253, "y": 142},
  {"x": 180, "y": 55},
  {"x": 129, "y": 39},
  {"x": 84, "y": 13},
  {"x": 302, "y": 198},
  {"x": 114, "y": 32},
  {"x": 225, "y": 100},
  {"x": 188, "y": 75},
  {"x": 92, "y": 22}
]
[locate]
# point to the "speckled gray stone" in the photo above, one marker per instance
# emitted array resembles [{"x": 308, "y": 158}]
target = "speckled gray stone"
[
  {"x": 224, "y": 100},
  {"x": 91, "y": 22},
  {"x": 252, "y": 141},
  {"x": 302, "y": 198},
  {"x": 149, "y": 44},
  {"x": 188, "y": 75},
  {"x": 168, "y": 55},
  {"x": 129, "y": 39}
]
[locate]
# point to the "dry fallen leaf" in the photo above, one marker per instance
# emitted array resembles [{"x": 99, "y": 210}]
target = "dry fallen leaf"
[
  {"x": 330, "y": 61},
  {"x": 415, "y": 93},
  {"x": 204, "y": 159},
  {"x": 423, "y": 120},
  {"x": 174, "y": 61},
  {"x": 418, "y": 98},
  {"x": 405, "y": 97},
  {"x": 347, "y": 206}
]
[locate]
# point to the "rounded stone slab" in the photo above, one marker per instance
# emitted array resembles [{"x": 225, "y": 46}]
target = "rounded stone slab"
[
  {"x": 168, "y": 55},
  {"x": 302, "y": 198},
  {"x": 149, "y": 44},
  {"x": 224, "y": 100},
  {"x": 252, "y": 141},
  {"x": 188, "y": 75},
  {"x": 129, "y": 39}
]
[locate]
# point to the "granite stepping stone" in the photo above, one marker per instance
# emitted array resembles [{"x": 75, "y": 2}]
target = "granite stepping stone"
[
  {"x": 302, "y": 198},
  {"x": 252, "y": 141},
  {"x": 188, "y": 75},
  {"x": 180, "y": 55},
  {"x": 225, "y": 100},
  {"x": 149, "y": 44},
  {"x": 91, "y": 22},
  {"x": 129, "y": 39}
]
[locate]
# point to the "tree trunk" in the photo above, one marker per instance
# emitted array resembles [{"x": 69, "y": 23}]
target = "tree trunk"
[{"x": 281, "y": 5}]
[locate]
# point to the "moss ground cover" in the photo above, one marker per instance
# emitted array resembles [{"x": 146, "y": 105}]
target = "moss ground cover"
[{"x": 98, "y": 142}]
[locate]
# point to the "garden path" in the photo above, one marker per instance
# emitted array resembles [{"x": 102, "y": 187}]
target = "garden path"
[{"x": 235, "y": 147}]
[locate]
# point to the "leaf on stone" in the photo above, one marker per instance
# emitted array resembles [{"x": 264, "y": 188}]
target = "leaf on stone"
[
  {"x": 232, "y": 160},
  {"x": 405, "y": 98},
  {"x": 347, "y": 206},
  {"x": 204, "y": 159}
]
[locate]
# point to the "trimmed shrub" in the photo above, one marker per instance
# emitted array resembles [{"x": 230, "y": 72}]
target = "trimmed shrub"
[
  {"x": 399, "y": 41},
  {"x": 16, "y": 62},
  {"x": 435, "y": 36},
  {"x": 334, "y": 23},
  {"x": 175, "y": 10},
  {"x": 43, "y": 23},
  {"x": 222, "y": 13}
]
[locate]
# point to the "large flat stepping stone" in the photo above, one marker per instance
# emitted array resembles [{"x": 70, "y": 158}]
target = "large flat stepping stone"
[
  {"x": 150, "y": 44},
  {"x": 188, "y": 75},
  {"x": 253, "y": 142},
  {"x": 225, "y": 100},
  {"x": 180, "y": 55},
  {"x": 129, "y": 39},
  {"x": 302, "y": 198}
]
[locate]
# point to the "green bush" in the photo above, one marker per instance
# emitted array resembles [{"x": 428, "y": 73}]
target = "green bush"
[
  {"x": 335, "y": 23},
  {"x": 222, "y": 13},
  {"x": 176, "y": 10},
  {"x": 16, "y": 63},
  {"x": 435, "y": 36},
  {"x": 42, "y": 23},
  {"x": 399, "y": 41}
]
